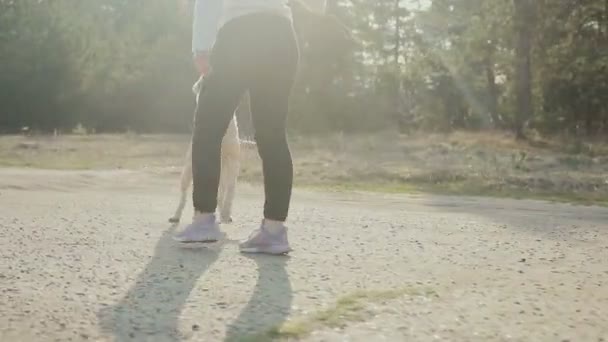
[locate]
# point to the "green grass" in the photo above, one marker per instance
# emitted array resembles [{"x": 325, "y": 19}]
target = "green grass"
[
  {"x": 457, "y": 164},
  {"x": 348, "y": 309},
  {"x": 462, "y": 189}
]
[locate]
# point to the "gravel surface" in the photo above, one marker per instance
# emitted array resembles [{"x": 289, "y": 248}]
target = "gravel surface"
[{"x": 88, "y": 256}]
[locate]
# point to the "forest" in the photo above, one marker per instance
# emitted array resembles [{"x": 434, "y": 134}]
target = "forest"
[{"x": 523, "y": 66}]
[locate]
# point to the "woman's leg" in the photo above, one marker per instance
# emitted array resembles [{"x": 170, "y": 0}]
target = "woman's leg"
[
  {"x": 218, "y": 99},
  {"x": 269, "y": 107},
  {"x": 220, "y": 93},
  {"x": 269, "y": 89}
]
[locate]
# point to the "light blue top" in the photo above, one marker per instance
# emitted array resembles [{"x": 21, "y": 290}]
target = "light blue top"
[{"x": 211, "y": 15}]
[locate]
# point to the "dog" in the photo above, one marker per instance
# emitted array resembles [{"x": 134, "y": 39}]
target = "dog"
[{"x": 230, "y": 168}]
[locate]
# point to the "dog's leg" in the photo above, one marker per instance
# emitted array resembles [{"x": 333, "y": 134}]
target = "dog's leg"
[
  {"x": 231, "y": 151},
  {"x": 186, "y": 180},
  {"x": 221, "y": 191},
  {"x": 232, "y": 167},
  {"x": 230, "y": 170}
]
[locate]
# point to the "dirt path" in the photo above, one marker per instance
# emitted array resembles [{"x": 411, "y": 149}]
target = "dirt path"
[{"x": 88, "y": 256}]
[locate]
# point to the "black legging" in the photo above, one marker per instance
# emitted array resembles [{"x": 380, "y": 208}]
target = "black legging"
[{"x": 258, "y": 53}]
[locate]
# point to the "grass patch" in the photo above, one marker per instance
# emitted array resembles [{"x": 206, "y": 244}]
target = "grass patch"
[
  {"x": 348, "y": 309},
  {"x": 480, "y": 164},
  {"x": 463, "y": 189},
  {"x": 473, "y": 189}
]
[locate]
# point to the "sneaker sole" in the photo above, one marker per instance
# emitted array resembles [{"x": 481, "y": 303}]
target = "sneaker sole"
[
  {"x": 194, "y": 242},
  {"x": 274, "y": 250},
  {"x": 207, "y": 240}
]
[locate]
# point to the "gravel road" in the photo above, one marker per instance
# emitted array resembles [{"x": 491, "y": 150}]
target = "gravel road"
[{"x": 88, "y": 255}]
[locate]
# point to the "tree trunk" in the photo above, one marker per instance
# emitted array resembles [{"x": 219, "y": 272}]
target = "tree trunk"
[
  {"x": 492, "y": 92},
  {"x": 606, "y": 19},
  {"x": 398, "y": 108},
  {"x": 523, "y": 21},
  {"x": 316, "y": 5},
  {"x": 397, "y": 34}
]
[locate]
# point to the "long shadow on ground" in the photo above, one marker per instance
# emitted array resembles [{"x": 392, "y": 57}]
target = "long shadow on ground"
[
  {"x": 151, "y": 308},
  {"x": 270, "y": 303}
]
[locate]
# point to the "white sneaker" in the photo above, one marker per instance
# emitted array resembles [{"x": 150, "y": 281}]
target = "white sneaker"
[
  {"x": 266, "y": 242},
  {"x": 203, "y": 229}
]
